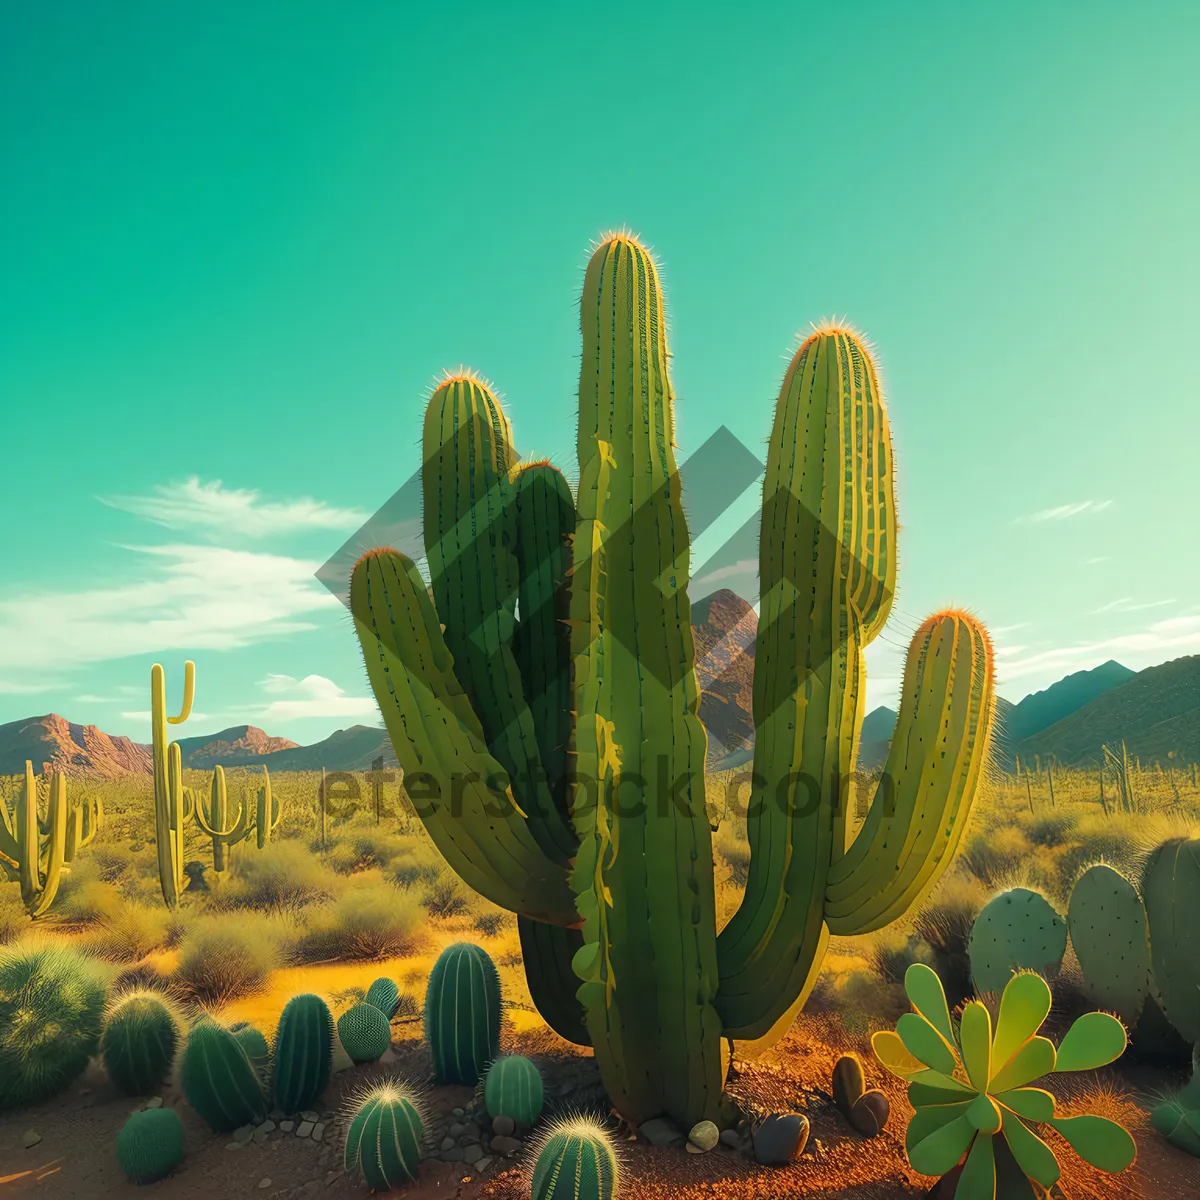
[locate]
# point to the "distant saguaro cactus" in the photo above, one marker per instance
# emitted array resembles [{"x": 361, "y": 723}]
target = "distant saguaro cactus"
[{"x": 173, "y": 803}]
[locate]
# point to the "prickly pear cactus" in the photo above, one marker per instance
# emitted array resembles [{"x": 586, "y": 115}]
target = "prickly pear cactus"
[
  {"x": 1171, "y": 892},
  {"x": 150, "y": 1144},
  {"x": 462, "y": 1013},
  {"x": 1178, "y": 1117},
  {"x": 1107, "y": 923},
  {"x": 1017, "y": 930},
  {"x": 576, "y": 1160},
  {"x": 513, "y": 1088},
  {"x": 303, "y": 1053},
  {"x": 365, "y": 1033},
  {"x": 143, "y": 1031},
  {"x": 219, "y": 1080},
  {"x": 384, "y": 1136}
]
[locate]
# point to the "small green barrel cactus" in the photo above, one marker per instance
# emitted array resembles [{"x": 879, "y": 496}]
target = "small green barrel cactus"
[
  {"x": 150, "y": 1144},
  {"x": 142, "y": 1036},
  {"x": 1171, "y": 889},
  {"x": 219, "y": 1080},
  {"x": 384, "y": 1136},
  {"x": 365, "y": 1033},
  {"x": 1107, "y": 923},
  {"x": 385, "y": 996},
  {"x": 252, "y": 1041},
  {"x": 51, "y": 1016},
  {"x": 462, "y": 1013},
  {"x": 576, "y": 1160},
  {"x": 1017, "y": 930},
  {"x": 513, "y": 1088},
  {"x": 303, "y": 1053}
]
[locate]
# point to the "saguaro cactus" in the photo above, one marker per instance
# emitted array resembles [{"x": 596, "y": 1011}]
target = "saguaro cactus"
[
  {"x": 216, "y": 825},
  {"x": 567, "y": 640},
  {"x": 173, "y": 803},
  {"x": 36, "y": 852}
]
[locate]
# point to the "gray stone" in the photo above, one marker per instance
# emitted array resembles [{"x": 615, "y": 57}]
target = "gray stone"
[
  {"x": 244, "y": 1135},
  {"x": 472, "y": 1135},
  {"x": 154, "y": 1102},
  {"x": 31, "y": 1139},
  {"x": 780, "y": 1139},
  {"x": 661, "y": 1132},
  {"x": 504, "y": 1126},
  {"x": 454, "y": 1154},
  {"x": 456, "y": 1130},
  {"x": 731, "y": 1138},
  {"x": 264, "y": 1183},
  {"x": 233, "y": 1145},
  {"x": 482, "y": 1164},
  {"x": 287, "y": 1126},
  {"x": 459, "y": 1112},
  {"x": 310, "y": 1116},
  {"x": 304, "y": 1128},
  {"x": 703, "y": 1136},
  {"x": 276, "y": 1114},
  {"x": 447, "y": 1144},
  {"x": 507, "y": 1146},
  {"x": 268, "y": 1126},
  {"x": 318, "y": 1131}
]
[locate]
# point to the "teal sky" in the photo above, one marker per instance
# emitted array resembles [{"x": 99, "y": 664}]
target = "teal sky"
[{"x": 238, "y": 241}]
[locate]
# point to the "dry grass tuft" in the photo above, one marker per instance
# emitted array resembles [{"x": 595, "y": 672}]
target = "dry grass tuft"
[
  {"x": 368, "y": 920},
  {"x": 221, "y": 958}
]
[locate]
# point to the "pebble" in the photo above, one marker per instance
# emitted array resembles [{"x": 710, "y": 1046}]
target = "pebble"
[
  {"x": 704, "y": 1136},
  {"x": 456, "y": 1130},
  {"x": 318, "y": 1131},
  {"x": 276, "y": 1114},
  {"x": 482, "y": 1164},
  {"x": 154, "y": 1102},
  {"x": 447, "y": 1143},
  {"x": 731, "y": 1138},
  {"x": 233, "y": 1145},
  {"x": 661, "y": 1132},
  {"x": 458, "y": 1112},
  {"x": 31, "y": 1139},
  {"x": 504, "y": 1126},
  {"x": 780, "y": 1139},
  {"x": 310, "y": 1116},
  {"x": 265, "y": 1182},
  {"x": 304, "y": 1128},
  {"x": 454, "y": 1154},
  {"x": 244, "y": 1134},
  {"x": 505, "y": 1145},
  {"x": 287, "y": 1126}
]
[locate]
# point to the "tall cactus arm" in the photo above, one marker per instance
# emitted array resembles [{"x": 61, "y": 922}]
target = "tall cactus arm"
[
  {"x": 39, "y": 882},
  {"x": 173, "y": 803},
  {"x": 470, "y": 542},
  {"x": 216, "y": 824},
  {"x": 268, "y": 813},
  {"x": 643, "y": 875},
  {"x": 460, "y": 791},
  {"x": 826, "y": 572},
  {"x": 547, "y": 951},
  {"x": 939, "y": 751},
  {"x": 9, "y": 850}
]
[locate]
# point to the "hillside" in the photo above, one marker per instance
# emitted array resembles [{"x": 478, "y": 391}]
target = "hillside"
[
  {"x": 353, "y": 749},
  {"x": 1156, "y": 712},
  {"x": 1040, "y": 710}
]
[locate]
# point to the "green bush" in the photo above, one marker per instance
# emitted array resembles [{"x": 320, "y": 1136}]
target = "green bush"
[
  {"x": 284, "y": 875},
  {"x": 370, "y": 920},
  {"x": 221, "y": 958}
]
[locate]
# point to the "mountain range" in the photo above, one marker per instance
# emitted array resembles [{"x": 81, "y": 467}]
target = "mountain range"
[{"x": 1155, "y": 711}]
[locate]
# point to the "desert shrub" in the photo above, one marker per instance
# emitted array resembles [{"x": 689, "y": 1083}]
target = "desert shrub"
[
  {"x": 944, "y": 923},
  {"x": 492, "y": 924},
  {"x": 51, "y": 1016},
  {"x": 112, "y": 860},
  {"x": 284, "y": 875},
  {"x": 996, "y": 856},
  {"x": 222, "y": 957},
  {"x": 1116, "y": 840},
  {"x": 893, "y": 952},
  {"x": 736, "y": 854},
  {"x": 416, "y": 865},
  {"x": 1051, "y": 826},
  {"x": 83, "y": 896},
  {"x": 14, "y": 920},
  {"x": 128, "y": 932},
  {"x": 447, "y": 896},
  {"x": 362, "y": 844},
  {"x": 374, "y": 920}
]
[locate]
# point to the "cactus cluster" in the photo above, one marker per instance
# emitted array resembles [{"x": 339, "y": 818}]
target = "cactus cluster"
[
  {"x": 384, "y": 1136},
  {"x": 384, "y": 995},
  {"x": 576, "y": 1160},
  {"x": 867, "y": 1110},
  {"x": 513, "y": 1088},
  {"x": 1133, "y": 950},
  {"x": 554, "y": 668},
  {"x": 219, "y": 1080},
  {"x": 51, "y": 1016},
  {"x": 36, "y": 852},
  {"x": 462, "y": 1013},
  {"x": 972, "y": 1085},
  {"x": 303, "y": 1053},
  {"x": 143, "y": 1031},
  {"x": 150, "y": 1144}
]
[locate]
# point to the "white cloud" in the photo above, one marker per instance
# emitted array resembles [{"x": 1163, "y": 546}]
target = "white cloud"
[
  {"x": 8, "y": 688},
  {"x": 144, "y": 717},
  {"x": 193, "y": 598},
  {"x": 214, "y": 507},
  {"x": 1063, "y": 511},
  {"x": 1001, "y": 630},
  {"x": 744, "y": 566},
  {"x": 1126, "y": 605},
  {"x": 312, "y": 696}
]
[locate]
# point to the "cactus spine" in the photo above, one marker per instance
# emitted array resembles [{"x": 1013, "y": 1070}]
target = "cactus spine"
[
  {"x": 462, "y": 1013},
  {"x": 513, "y": 1088},
  {"x": 365, "y": 1033},
  {"x": 173, "y": 803},
  {"x": 384, "y": 995},
  {"x": 576, "y": 1161},
  {"x": 495, "y": 698},
  {"x": 219, "y": 1080},
  {"x": 140, "y": 1040},
  {"x": 383, "y": 1141},
  {"x": 303, "y": 1052}
]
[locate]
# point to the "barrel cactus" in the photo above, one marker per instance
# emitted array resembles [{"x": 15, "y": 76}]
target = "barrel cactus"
[
  {"x": 554, "y": 668},
  {"x": 1018, "y": 930},
  {"x": 219, "y": 1080},
  {"x": 575, "y": 1160},
  {"x": 303, "y": 1053},
  {"x": 51, "y": 1017},
  {"x": 384, "y": 995},
  {"x": 252, "y": 1041},
  {"x": 150, "y": 1144},
  {"x": 972, "y": 1085},
  {"x": 365, "y": 1033},
  {"x": 513, "y": 1088},
  {"x": 143, "y": 1030},
  {"x": 462, "y": 1013},
  {"x": 384, "y": 1134}
]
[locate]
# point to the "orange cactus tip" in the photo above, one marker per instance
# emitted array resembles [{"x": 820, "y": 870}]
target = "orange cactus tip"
[
  {"x": 622, "y": 235},
  {"x": 833, "y": 328},
  {"x": 377, "y": 552},
  {"x": 464, "y": 374}
]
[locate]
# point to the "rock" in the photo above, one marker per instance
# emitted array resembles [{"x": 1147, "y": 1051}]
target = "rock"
[
  {"x": 692, "y": 1148},
  {"x": 661, "y": 1132},
  {"x": 233, "y": 1145},
  {"x": 447, "y": 1144},
  {"x": 454, "y": 1154},
  {"x": 318, "y": 1131},
  {"x": 154, "y": 1102},
  {"x": 276, "y": 1114},
  {"x": 507, "y": 1146},
  {"x": 287, "y": 1126},
  {"x": 504, "y": 1126},
  {"x": 31, "y": 1139},
  {"x": 304, "y": 1128},
  {"x": 264, "y": 1183},
  {"x": 244, "y": 1135},
  {"x": 482, "y": 1164},
  {"x": 731, "y": 1138},
  {"x": 310, "y": 1116},
  {"x": 458, "y": 1112},
  {"x": 704, "y": 1136},
  {"x": 870, "y": 1112},
  {"x": 780, "y": 1139},
  {"x": 472, "y": 1135},
  {"x": 456, "y": 1130}
]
